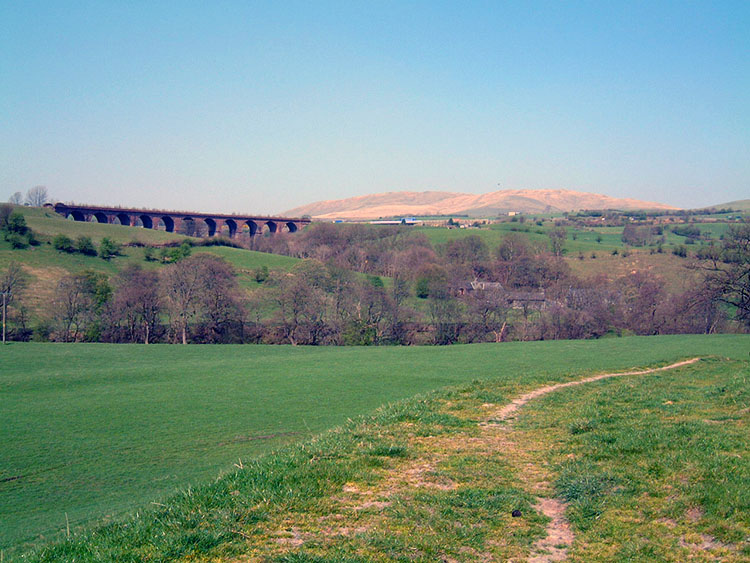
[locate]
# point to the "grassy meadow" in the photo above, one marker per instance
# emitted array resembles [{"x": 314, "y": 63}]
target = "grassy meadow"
[{"x": 91, "y": 431}]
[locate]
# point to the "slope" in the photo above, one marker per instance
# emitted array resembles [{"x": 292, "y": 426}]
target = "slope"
[{"x": 395, "y": 204}]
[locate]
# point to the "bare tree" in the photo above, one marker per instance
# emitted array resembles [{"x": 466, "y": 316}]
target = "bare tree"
[
  {"x": 489, "y": 310},
  {"x": 37, "y": 196},
  {"x": 16, "y": 198},
  {"x": 201, "y": 287},
  {"x": 72, "y": 307},
  {"x": 221, "y": 306},
  {"x": 557, "y": 240},
  {"x": 303, "y": 303},
  {"x": 12, "y": 282},
  {"x": 180, "y": 285},
  {"x": 728, "y": 275},
  {"x": 136, "y": 303}
]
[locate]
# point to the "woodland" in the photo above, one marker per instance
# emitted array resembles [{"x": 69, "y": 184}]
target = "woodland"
[{"x": 358, "y": 284}]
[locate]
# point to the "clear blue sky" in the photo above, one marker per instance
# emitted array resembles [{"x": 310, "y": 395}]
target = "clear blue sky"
[{"x": 259, "y": 107}]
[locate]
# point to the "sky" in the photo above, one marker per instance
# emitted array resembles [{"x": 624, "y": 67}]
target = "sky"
[{"x": 258, "y": 107}]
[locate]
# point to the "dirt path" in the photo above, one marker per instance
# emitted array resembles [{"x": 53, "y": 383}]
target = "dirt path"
[
  {"x": 467, "y": 457},
  {"x": 554, "y": 547}
]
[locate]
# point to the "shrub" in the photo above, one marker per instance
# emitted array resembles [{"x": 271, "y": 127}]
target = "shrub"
[
  {"x": 108, "y": 249},
  {"x": 85, "y": 246},
  {"x": 63, "y": 243},
  {"x": 690, "y": 231},
  {"x": 680, "y": 251},
  {"x": 14, "y": 229},
  {"x": 422, "y": 288},
  {"x": 261, "y": 274},
  {"x": 16, "y": 241}
]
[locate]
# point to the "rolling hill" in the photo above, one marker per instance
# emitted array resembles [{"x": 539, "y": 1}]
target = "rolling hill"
[
  {"x": 400, "y": 204},
  {"x": 739, "y": 205}
]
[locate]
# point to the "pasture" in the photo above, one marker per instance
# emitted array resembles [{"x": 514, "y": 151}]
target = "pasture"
[{"x": 94, "y": 431}]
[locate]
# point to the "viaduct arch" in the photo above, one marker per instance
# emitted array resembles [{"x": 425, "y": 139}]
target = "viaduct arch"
[{"x": 195, "y": 224}]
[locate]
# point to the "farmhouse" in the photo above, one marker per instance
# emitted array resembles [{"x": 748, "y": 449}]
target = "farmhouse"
[{"x": 517, "y": 299}]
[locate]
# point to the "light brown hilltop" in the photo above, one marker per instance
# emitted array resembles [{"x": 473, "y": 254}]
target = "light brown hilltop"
[{"x": 404, "y": 204}]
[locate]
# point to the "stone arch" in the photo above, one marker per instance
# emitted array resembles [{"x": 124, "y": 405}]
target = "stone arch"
[
  {"x": 190, "y": 227},
  {"x": 76, "y": 215},
  {"x": 168, "y": 223},
  {"x": 231, "y": 225},
  {"x": 100, "y": 217},
  {"x": 146, "y": 221},
  {"x": 250, "y": 227},
  {"x": 269, "y": 227},
  {"x": 210, "y": 225},
  {"x": 123, "y": 218},
  {"x": 291, "y": 227}
]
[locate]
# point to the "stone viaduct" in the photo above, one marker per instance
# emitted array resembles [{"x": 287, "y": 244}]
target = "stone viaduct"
[{"x": 197, "y": 224}]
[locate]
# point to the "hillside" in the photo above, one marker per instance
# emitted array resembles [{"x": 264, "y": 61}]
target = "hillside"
[
  {"x": 402, "y": 204},
  {"x": 740, "y": 205},
  {"x": 45, "y": 266}
]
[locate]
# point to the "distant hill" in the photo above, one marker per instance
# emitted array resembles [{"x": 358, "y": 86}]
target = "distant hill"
[
  {"x": 739, "y": 205},
  {"x": 403, "y": 204}
]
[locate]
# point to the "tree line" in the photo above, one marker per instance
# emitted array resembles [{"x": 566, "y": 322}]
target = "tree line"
[{"x": 357, "y": 285}]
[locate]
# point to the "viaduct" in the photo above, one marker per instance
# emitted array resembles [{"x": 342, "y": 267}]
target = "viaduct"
[{"x": 182, "y": 222}]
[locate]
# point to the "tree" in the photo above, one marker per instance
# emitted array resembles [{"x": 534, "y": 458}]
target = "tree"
[
  {"x": 180, "y": 286},
  {"x": 488, "y": 310},
  {"x": 220, "y": 306},
  {"x": 192, "y": 228},
  {"x": 302, "y": 309},
  {"x": 16, "y": 198},
  {"x": 37, "y": 196},
  {"x": 729, "y": 277},
  {"x": 512, "y": 247},
  {"x": 6, "y": 209},
  {"x": 201, "y": 287},
  {"x": 13, "y": 227},
  {"x": 642, "y": 292},
  {"x": 13, "y": 281},
  {"x": 468, "y": 250},
  {"x": 637, "y": 235},
  {"x": 78, "y": 302},
  {"x": 136, "y": 303},
  {"x": 557, "y": 240}
]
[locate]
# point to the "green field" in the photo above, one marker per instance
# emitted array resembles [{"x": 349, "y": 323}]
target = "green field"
[
  {"x": 654, "y": 468},
  {"x": 93, "y": 431},
  {"x": 585, "y": 240},
  {"x": 48, "y": 223}
]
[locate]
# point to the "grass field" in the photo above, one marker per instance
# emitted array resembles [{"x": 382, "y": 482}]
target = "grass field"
[
  {"x": 48, "y": 223},
  {"x": 93, "y": 431},
  {"x": 654, "y": 468}
]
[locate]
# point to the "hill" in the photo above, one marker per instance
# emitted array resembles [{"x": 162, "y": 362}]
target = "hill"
[
  {"x": 45, "y": 266},
  {"x": 739, "y": 205},
  {"x": 402, "y": 204}
]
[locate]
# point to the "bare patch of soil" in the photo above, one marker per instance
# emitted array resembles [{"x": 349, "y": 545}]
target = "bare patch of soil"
[{"x": 553, "y": 547}]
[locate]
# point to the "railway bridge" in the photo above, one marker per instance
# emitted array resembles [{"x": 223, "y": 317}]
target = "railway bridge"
[{"x": 187, "y": 223}]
